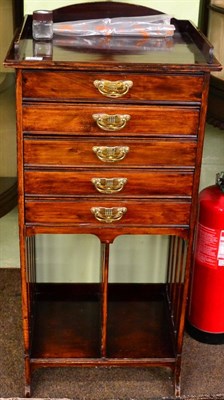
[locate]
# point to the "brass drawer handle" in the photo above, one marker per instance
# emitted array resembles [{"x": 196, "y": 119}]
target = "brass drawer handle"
[
  {"x": 109, "y": 185},
  {"x": 110, "y": 154},
  {"x": 108, "y": 215},
  {"x": 108, "y": 122},
  {"x": 113, "y": 89}
]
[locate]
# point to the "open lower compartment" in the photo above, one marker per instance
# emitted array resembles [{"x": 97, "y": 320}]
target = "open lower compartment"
[
  {"x": 138, "y": 323},
  {"x": 67, "y": 323}
]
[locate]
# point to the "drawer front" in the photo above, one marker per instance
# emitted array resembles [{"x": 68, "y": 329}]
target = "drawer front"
[
  {"x": 54, "y": 85},
  {"x": 118, "y": 120},
  {"x": 93, "y": 183},
  {"x": 101, "y": 212},
  {"x": 114, "y": 152}
]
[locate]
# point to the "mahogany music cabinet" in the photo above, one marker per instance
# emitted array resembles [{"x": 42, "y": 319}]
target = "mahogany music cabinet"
[{"x": 110, "y": 136}]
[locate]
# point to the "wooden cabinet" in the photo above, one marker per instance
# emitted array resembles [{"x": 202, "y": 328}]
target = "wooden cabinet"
[{"x": 109, "y": 143}]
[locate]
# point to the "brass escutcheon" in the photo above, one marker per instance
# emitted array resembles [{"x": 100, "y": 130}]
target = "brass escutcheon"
[
  {"x": 110, "y": 153},
  {"x": 109, "y": 185},
  {"x": 110, "y": 123},
  {"x": 113, "y": 89},
  {"x": 108, "y": 215}
]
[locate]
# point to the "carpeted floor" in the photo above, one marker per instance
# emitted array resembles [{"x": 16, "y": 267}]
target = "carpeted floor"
[{"x": 202, "y": 368}]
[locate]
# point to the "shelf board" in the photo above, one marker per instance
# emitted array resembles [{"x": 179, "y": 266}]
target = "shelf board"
[
  {"x": 138, "y": 329},
  {"x": 66, "y": 329},
  {"x": 70, "y": 326}
]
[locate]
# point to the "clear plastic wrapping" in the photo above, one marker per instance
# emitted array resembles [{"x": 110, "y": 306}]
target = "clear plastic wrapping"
[
  {"x": 145, "y": 26},
  {"x": 128, "y": 44}
]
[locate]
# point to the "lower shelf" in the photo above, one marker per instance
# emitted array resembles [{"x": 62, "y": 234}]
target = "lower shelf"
[
  {"x": 66, "y": 321},
  {"x": 67, "y": 324}
]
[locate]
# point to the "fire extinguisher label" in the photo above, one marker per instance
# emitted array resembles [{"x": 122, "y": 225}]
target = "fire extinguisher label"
[
  {"x": 221, "y": 250},
  {"x": 210, "y": 247}
]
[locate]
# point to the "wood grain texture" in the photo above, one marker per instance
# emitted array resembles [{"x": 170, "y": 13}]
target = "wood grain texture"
[
  {"x": 57, "y": 136},
  {"x": 74, "y": 86},
  {"x": 78, "y": 120}
]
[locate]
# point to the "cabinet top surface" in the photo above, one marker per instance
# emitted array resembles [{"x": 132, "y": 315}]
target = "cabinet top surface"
[{"x": 186, "y": 50}]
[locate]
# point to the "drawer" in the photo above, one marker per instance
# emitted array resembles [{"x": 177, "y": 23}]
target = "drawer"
[
  {"x": 100, "y": 152},
  {"x": 123, "y": 183},
  {"x": 84, "y": 211},
  {"x": 60, "y": 86},
  {"x": 107, "y": 120}
]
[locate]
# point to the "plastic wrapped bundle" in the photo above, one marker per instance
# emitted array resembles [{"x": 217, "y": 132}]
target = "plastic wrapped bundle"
[{"x": 145, "y": 26}]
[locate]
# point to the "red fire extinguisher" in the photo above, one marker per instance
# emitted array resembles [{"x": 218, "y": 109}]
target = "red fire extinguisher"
[{"x": 206, "y": 300}]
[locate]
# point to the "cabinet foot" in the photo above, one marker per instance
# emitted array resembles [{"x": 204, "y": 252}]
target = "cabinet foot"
[
  {"x": 177, "y": 392},
  {"x": 177, "y": 386},
  {"x": 27, "y": 391}
]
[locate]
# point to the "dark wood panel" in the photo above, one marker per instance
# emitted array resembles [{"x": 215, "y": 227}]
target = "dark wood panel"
[
  {"x": 138, "y": 183},
  {"x": 139, "y": 213},
  {"x": 78, "y": 120},
  {"x": 80, "y": 86},
  {"x": 8, "y": 194},
  {"x": 99, "y": 10},
  {"x": 18, "y": 13},
  {"x": 138, "y": 329},
  {"x": 71, "y": 152},
  {"x": 215, "y": 115},
  {"x": 66, "y": 329}
]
